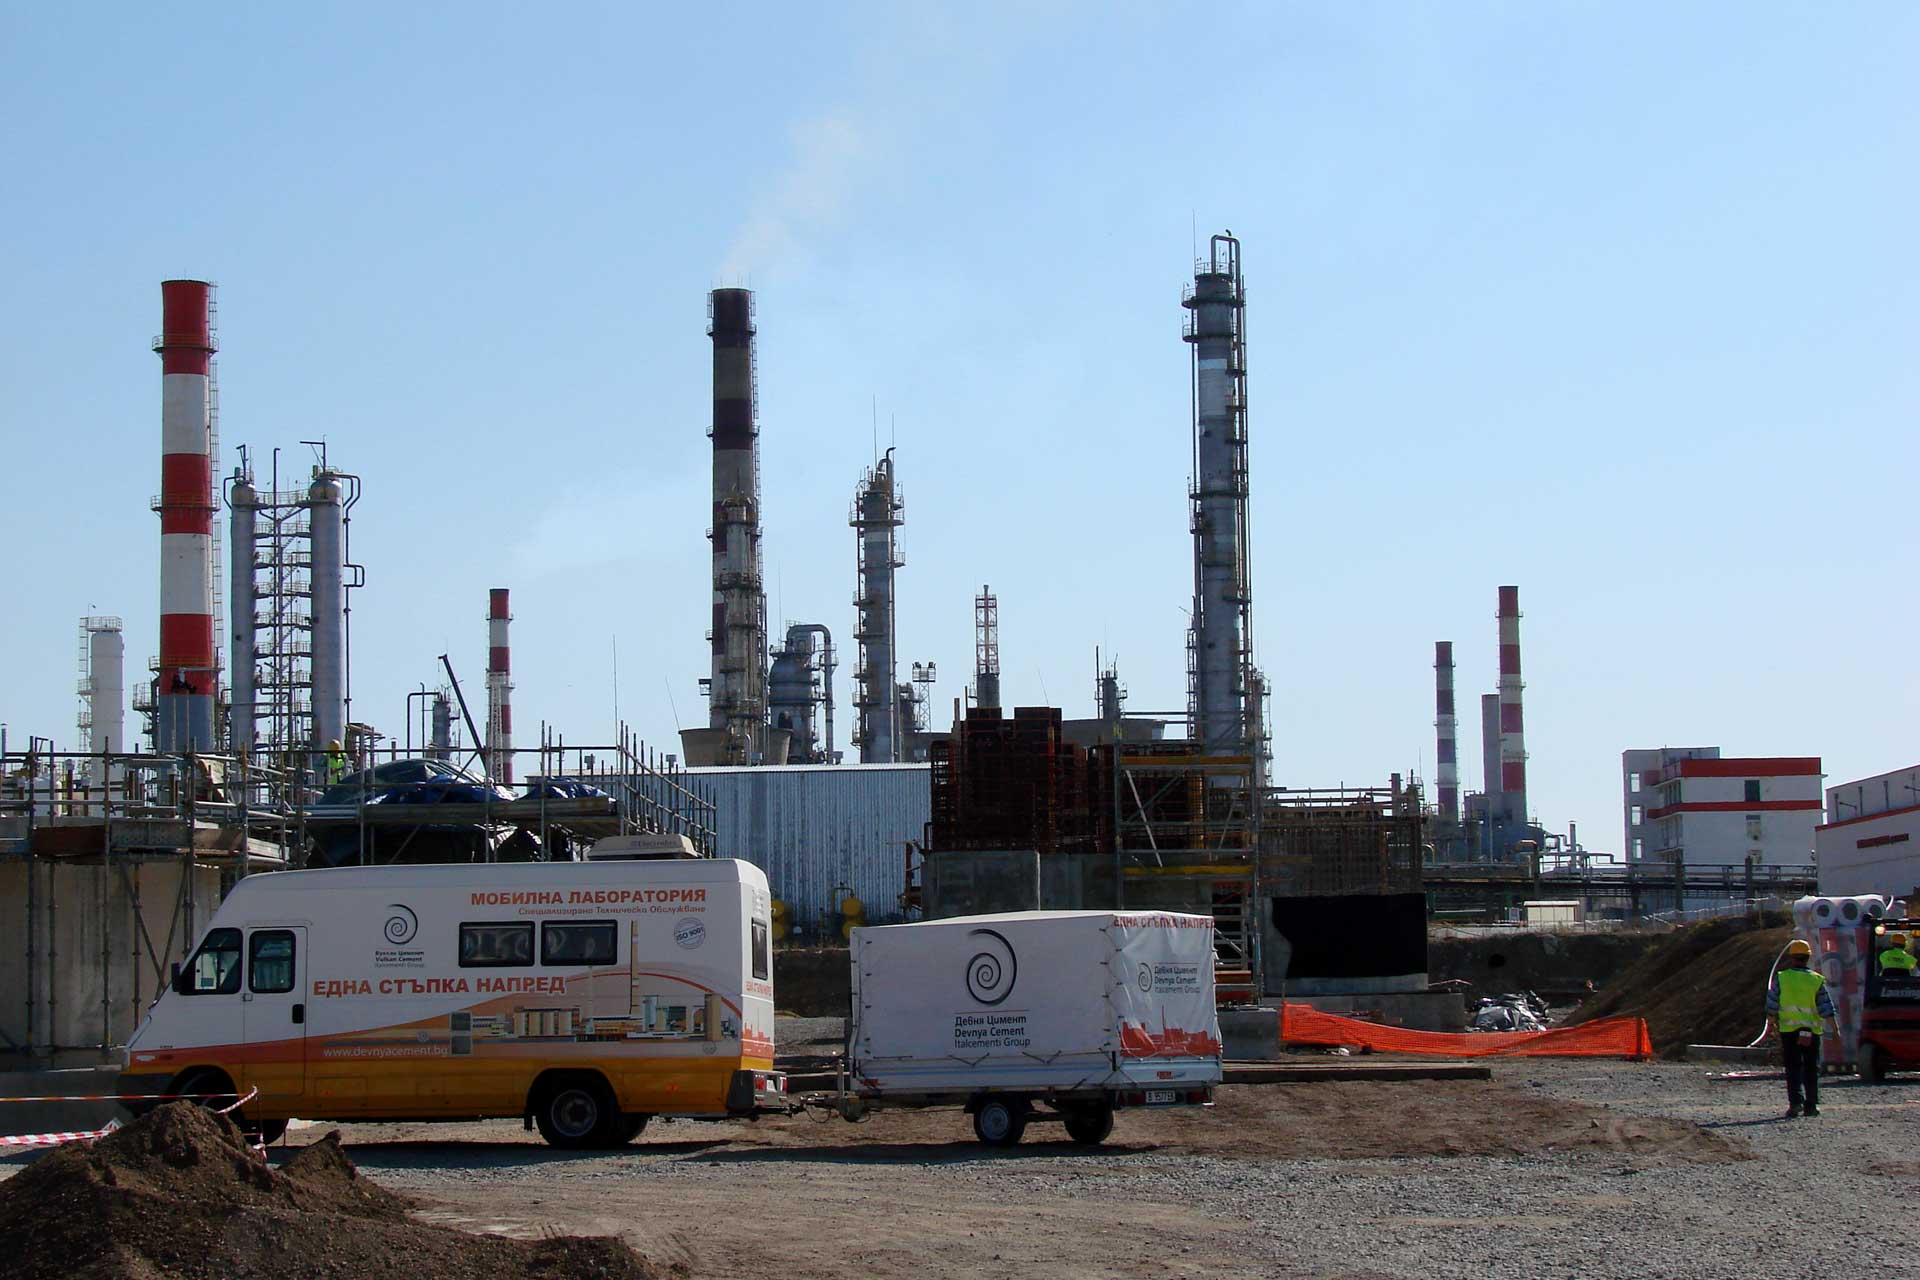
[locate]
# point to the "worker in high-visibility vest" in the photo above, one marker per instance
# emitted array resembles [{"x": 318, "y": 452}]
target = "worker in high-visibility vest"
[
  {"x": 1799, "y": 1007},
  {"x": 1894, "y": 956},
  {"x": 336, "y": 762}
]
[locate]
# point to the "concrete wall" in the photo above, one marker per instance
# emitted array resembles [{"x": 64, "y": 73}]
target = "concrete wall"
[{"x": 96, "y": 962}]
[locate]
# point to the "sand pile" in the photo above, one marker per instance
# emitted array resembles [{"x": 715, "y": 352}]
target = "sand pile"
[
  {"x": 178, "y": 1193},
  {"x": 1706, "y": 984}
]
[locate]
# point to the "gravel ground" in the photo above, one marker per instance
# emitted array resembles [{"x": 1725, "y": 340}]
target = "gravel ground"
[{"x": 912, "y": 1195}]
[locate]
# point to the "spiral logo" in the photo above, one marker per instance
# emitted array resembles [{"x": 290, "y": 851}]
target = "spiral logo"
[
  {"x": 991, "y": 972},
  {"x": 401, "y": 925},
  {"x": 1145, "y": 976}
]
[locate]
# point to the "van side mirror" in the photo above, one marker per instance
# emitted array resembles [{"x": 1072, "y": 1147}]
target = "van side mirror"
[{"x": 180, "y": 979}]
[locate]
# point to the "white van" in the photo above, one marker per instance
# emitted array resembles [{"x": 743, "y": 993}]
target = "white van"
[{"x": 586, "y": 996}]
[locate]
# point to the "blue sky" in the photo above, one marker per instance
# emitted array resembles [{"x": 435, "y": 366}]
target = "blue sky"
[{"x": 1612, "y": 302}]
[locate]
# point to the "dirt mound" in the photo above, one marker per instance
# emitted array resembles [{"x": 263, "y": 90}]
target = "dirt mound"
[
  {"x": 1706, "y": 984},
  {"x": 178, "y": 1193}
]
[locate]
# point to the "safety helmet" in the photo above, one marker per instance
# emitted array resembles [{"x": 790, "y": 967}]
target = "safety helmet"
[
  {"x": 334, "y": 745},
  {"x": 1895, "y": 940},
  {"x": 1799, "y": 948}
]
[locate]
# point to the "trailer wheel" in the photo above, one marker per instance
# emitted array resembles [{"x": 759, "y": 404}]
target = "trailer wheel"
[
  {"x": 576, "y": 1113},
  {"x": 1090, "y": 1125},
  {"x": 999, "y": 1123}
]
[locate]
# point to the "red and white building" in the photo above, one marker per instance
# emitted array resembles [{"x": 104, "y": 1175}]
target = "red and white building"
[
  {"x": 1705, "y": 809},
  {"x": 1870, "y": 842}
]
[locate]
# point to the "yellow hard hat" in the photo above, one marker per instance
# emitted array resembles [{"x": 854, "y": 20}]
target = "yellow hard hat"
[
  {"x": 334, "y": 745},
  {"x": 1896, "y": 940},
  {"x": 1799, "y": 947}
]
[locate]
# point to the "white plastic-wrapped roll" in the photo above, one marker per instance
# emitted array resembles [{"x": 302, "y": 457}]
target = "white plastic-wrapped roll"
[
  {"x": 1872, "y": 906},
  {"x": 1900, "y": 908},
  {"x": 1823, "y": 912},
  {"x": 1803, "y": 914},
  {"x": 1847, "y": 910}
]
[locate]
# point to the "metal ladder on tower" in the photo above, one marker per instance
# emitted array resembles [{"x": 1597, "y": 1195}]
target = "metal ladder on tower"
[{"x": 1232, "y": 942}]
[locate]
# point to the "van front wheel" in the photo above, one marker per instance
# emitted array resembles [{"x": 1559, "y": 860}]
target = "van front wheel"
[{"x": 576, "y": 1114}]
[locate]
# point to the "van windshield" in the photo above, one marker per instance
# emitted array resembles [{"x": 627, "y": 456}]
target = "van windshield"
[{"x": 215, "y": 967}]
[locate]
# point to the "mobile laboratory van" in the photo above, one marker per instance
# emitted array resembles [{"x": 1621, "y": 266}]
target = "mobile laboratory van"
[
  {"x": 586, "y": 996},
  {"x": 1034, "y": 1016}
]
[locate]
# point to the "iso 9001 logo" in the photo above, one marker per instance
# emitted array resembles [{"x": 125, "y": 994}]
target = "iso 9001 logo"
[{"x": 991, "y": 971}]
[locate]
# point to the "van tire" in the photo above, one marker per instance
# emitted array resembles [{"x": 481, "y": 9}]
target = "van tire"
[
  {"x": 625, "y": 1129},
  {"x": 576, "y": 1112}
]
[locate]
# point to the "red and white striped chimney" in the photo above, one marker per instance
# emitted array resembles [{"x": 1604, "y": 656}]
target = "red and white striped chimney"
[
  {"x": 499, "y": 689},
  {"x": 1513, "y": 743},
  {"x": 186, "y": 674},
  {"x": 1446, "y": 724}
]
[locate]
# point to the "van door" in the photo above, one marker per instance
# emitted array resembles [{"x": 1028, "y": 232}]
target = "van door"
[{"x": 275, "y": 1061}]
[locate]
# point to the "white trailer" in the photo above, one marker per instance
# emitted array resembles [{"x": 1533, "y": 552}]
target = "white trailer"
[{"x": 1034, "y": 1016}]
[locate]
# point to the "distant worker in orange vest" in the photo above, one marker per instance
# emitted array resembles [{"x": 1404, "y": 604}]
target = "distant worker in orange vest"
[{"x": 1798, "y": 1007}]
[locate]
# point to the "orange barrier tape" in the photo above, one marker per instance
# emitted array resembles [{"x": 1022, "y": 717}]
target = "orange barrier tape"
[{"x": 1603, "y": 1038}]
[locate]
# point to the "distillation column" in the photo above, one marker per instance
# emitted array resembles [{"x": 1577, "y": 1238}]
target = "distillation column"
[
  {"x": 105, "y": 689},
  {"x": 327, "y": 539},
  {"x": 1220, "y": 640},
  {"x": 1513, "y": 742},
  {"x": 877, "y": 513},
  {"x": 243, "y": 509},
  {"x": 187, "y": 673},
  {"x": 738, "y": 691},
  {"x": 1447, "y": 726}
]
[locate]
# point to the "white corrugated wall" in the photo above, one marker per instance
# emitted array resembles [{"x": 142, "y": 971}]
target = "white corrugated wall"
[{"x": 816, "y": 828}]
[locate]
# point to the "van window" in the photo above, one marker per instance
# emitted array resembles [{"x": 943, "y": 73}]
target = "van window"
[
  {"x": 270, "y": 962},
  {"x": 215, "y": 967},
  {"x": 577, "y": 942},
  {"x": 762, "y": 951},
  {"x": 494, "y": 946}
]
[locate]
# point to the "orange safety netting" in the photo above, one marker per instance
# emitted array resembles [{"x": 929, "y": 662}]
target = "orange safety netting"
[{"x": 1601, "y": 1038}]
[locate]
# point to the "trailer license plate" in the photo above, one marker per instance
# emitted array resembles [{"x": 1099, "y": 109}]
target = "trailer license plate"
[{"x": 1162, "y": 1097}]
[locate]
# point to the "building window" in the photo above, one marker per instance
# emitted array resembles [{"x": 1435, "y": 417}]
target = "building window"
[
  {"x": 1753, "y": 791},
  {"x": 1635, "y": 819},
  {"x": 1639, "y": 847},
  {"x": 1753, "y": 827},
  {"x": 1633, "y": 780}
]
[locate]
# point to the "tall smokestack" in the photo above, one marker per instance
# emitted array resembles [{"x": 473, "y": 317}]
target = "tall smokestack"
[
  {"x": 499, "y": 689},
  {"x": 986, "y": 650},
  {"x": 1220, "y": 639},
  {"x": 187, "y": 673},
  {"x": 1446, "y": 726},
  {"x": 877, "y": 513},
  {"x": 1513, "y": 743},
  {"x": 738, "y": 706},
  {"x": 1490, "y": 751}
]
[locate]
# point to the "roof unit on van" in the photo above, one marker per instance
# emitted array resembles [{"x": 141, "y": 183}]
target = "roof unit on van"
[{"x": 637, "y": 848}]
